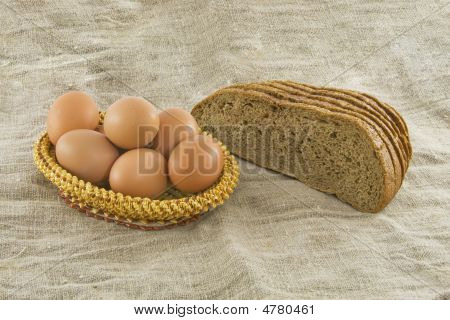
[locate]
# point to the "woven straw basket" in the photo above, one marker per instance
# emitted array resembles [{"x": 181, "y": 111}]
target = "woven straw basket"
[{"x": 172, "y": 208}]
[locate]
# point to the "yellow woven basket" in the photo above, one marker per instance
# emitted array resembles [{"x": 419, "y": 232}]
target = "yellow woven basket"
[{"x": 172, "y": 208}]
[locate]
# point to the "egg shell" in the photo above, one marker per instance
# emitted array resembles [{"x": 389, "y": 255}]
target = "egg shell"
[
  {"x": 175, "y": 125},
  {"x": 195, "y": 164},
  {"x": 131, "y": 122},
  {"x": 88, "y": 154},
  {"x": 73, "y": 110},
  {"x": 139, "y": 173}
]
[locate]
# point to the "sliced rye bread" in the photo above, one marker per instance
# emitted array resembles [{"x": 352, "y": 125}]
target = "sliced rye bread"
[
  {"x": 337, "y": 141},
  {"x": 335, "y": 105}
]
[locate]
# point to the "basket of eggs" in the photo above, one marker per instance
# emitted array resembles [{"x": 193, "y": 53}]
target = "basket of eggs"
[{"x": 133, "y": 165}]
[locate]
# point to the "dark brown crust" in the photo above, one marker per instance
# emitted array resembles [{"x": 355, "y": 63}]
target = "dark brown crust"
[
  {"x": 395, "y": 117},
  {"x": 391, "y": 183},
  {"x": 405, "y": 130}
]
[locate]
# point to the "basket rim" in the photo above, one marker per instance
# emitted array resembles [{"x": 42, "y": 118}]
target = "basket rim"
[
  {"x": 137, "y": 225},
  {"x": 144, "y": 210}
]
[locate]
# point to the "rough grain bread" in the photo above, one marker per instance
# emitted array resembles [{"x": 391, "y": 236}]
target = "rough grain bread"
[{"x": 337, "y": 141}]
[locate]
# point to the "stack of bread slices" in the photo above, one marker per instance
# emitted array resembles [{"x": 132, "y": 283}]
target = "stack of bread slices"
[{"x": 337, "y": 141}]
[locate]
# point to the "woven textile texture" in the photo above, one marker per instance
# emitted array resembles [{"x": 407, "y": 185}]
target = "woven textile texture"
[{"x": 275, "y": 237}]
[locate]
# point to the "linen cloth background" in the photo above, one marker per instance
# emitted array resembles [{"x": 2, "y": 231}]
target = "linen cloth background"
[{"x": 275, "y": 237}]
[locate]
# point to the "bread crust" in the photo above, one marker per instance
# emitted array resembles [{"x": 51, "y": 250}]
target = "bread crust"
[{"x": 382, "y": 141}]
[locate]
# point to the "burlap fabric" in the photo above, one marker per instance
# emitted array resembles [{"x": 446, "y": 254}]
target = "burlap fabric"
[{"x": 275, "y": 237}]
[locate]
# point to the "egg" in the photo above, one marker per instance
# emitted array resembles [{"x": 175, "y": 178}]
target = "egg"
[
  {"x": 195, "y": 164},
  {"x": 73, "y": 110},
  {"x": 139, "y": 173},
  {"x": 175, "y": 125},
  {"x": 131, "y": 122},
  {"x": 88, "y": 154}
]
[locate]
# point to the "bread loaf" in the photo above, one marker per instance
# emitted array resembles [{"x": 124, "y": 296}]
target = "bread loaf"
[{"x": 337, "y": 141}]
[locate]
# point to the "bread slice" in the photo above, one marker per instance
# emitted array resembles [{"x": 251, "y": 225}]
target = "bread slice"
[{"x": 337, "y": 141}]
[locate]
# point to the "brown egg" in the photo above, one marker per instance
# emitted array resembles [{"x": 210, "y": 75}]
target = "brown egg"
[
  {"x": 175, "y": 125},
  {"x": 88, "y": 154},
  {"x": 131, "y": 122},
  {"x": 195, "y": 164},
  {"x": 139, "y": 173},
  {"x": 73, "y": 110}
]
